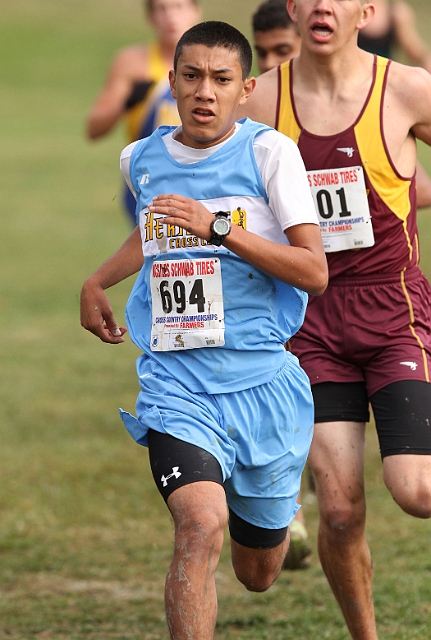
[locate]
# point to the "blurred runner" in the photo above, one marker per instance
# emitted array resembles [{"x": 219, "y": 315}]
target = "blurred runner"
[
  {"x": 276, "y": 36},
  {"x": 394, "y": 26},
  {"x": 137, "y": 87}
]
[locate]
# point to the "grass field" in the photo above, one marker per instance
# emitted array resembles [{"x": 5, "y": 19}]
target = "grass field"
[{"x": 85, "y": 540}]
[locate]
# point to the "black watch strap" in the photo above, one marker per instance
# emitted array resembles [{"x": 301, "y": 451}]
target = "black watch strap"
[{"x": 217, "y": 238}]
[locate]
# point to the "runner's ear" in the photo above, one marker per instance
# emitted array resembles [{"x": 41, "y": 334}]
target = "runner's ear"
[
  {"x": 248, "y": 88},
  {"x": 172, "y": 83}
]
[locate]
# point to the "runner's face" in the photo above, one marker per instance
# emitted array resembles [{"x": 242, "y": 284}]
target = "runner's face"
[
  {"x": 327, "y": 25},
  {"x": 276, "y": 46},
  {"x": 208, "y": 87},
  {"x": 171, "y": 18}
]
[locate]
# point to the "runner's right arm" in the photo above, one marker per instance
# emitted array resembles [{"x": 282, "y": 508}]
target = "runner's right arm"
[{"x": 96, "y": 311}]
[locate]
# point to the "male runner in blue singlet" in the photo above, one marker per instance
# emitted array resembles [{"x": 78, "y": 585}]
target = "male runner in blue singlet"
[{"x": 226, "y": 248}]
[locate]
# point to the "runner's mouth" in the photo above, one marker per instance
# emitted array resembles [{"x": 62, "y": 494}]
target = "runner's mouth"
[
  {"x": 203, "y": 112},
  {"x": 322, "y": 30}
]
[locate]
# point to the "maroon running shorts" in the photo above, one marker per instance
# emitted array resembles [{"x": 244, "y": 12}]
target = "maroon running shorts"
[{"x": 373, "y": 330}]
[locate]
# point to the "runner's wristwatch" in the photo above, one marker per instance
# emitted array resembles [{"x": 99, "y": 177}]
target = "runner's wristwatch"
[{"x": 220, "y": 228}]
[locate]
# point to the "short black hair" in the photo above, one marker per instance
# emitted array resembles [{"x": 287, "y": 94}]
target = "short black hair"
[
  {"x": 270, "y": 15},
  {"x": 217, "y": 34}
]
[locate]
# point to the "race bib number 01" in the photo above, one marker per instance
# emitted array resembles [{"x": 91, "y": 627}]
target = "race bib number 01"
[
  {"x": 187, "y": 297},
  {"x": 341, "y": 202}
]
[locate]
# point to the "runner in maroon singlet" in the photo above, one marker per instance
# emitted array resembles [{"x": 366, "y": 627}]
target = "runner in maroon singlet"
[{"x": 356, "y": 118}]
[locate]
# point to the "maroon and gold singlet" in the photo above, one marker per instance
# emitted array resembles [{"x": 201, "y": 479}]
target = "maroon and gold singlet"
[
  {"x": 391, "y": 197},
  {"x": 373, "y": 322}
]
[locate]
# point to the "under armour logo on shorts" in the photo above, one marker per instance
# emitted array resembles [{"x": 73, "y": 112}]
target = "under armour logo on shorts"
[{"x": 175, "y": 473}]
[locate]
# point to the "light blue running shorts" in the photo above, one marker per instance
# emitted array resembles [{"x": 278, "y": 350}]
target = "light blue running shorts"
[{"x": 260, "y": 436}]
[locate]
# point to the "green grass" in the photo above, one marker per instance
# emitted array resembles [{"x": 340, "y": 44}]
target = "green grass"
[{"x": 85, "y": 539}]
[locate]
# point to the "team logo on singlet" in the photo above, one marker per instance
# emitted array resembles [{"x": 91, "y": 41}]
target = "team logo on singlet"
[
  {"x": 347, "y": 150},
  {"x": 173, "y": 237}
]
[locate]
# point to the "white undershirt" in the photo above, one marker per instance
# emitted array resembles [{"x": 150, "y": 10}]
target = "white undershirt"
[{"x": 280, "y": 165}]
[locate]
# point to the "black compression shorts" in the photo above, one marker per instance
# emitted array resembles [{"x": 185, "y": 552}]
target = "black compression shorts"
[
  {"x": 402, "y": 412},
  {"x": 175, "y": 463}
]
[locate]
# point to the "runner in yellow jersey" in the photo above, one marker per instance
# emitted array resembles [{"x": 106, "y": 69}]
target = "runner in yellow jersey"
[{"x": 137, "y": 87}]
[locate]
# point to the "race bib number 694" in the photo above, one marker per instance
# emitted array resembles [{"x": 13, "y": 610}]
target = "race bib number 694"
[{"x": 187, "y": 300}]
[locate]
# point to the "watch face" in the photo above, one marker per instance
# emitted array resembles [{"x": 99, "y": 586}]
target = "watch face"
[{"x": 221, "y": 226}]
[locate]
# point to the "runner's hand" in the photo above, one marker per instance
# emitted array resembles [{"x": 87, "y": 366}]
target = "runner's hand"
[
  {"x": 97, "y": 315},
  {"x": 183, "y": 212}
]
